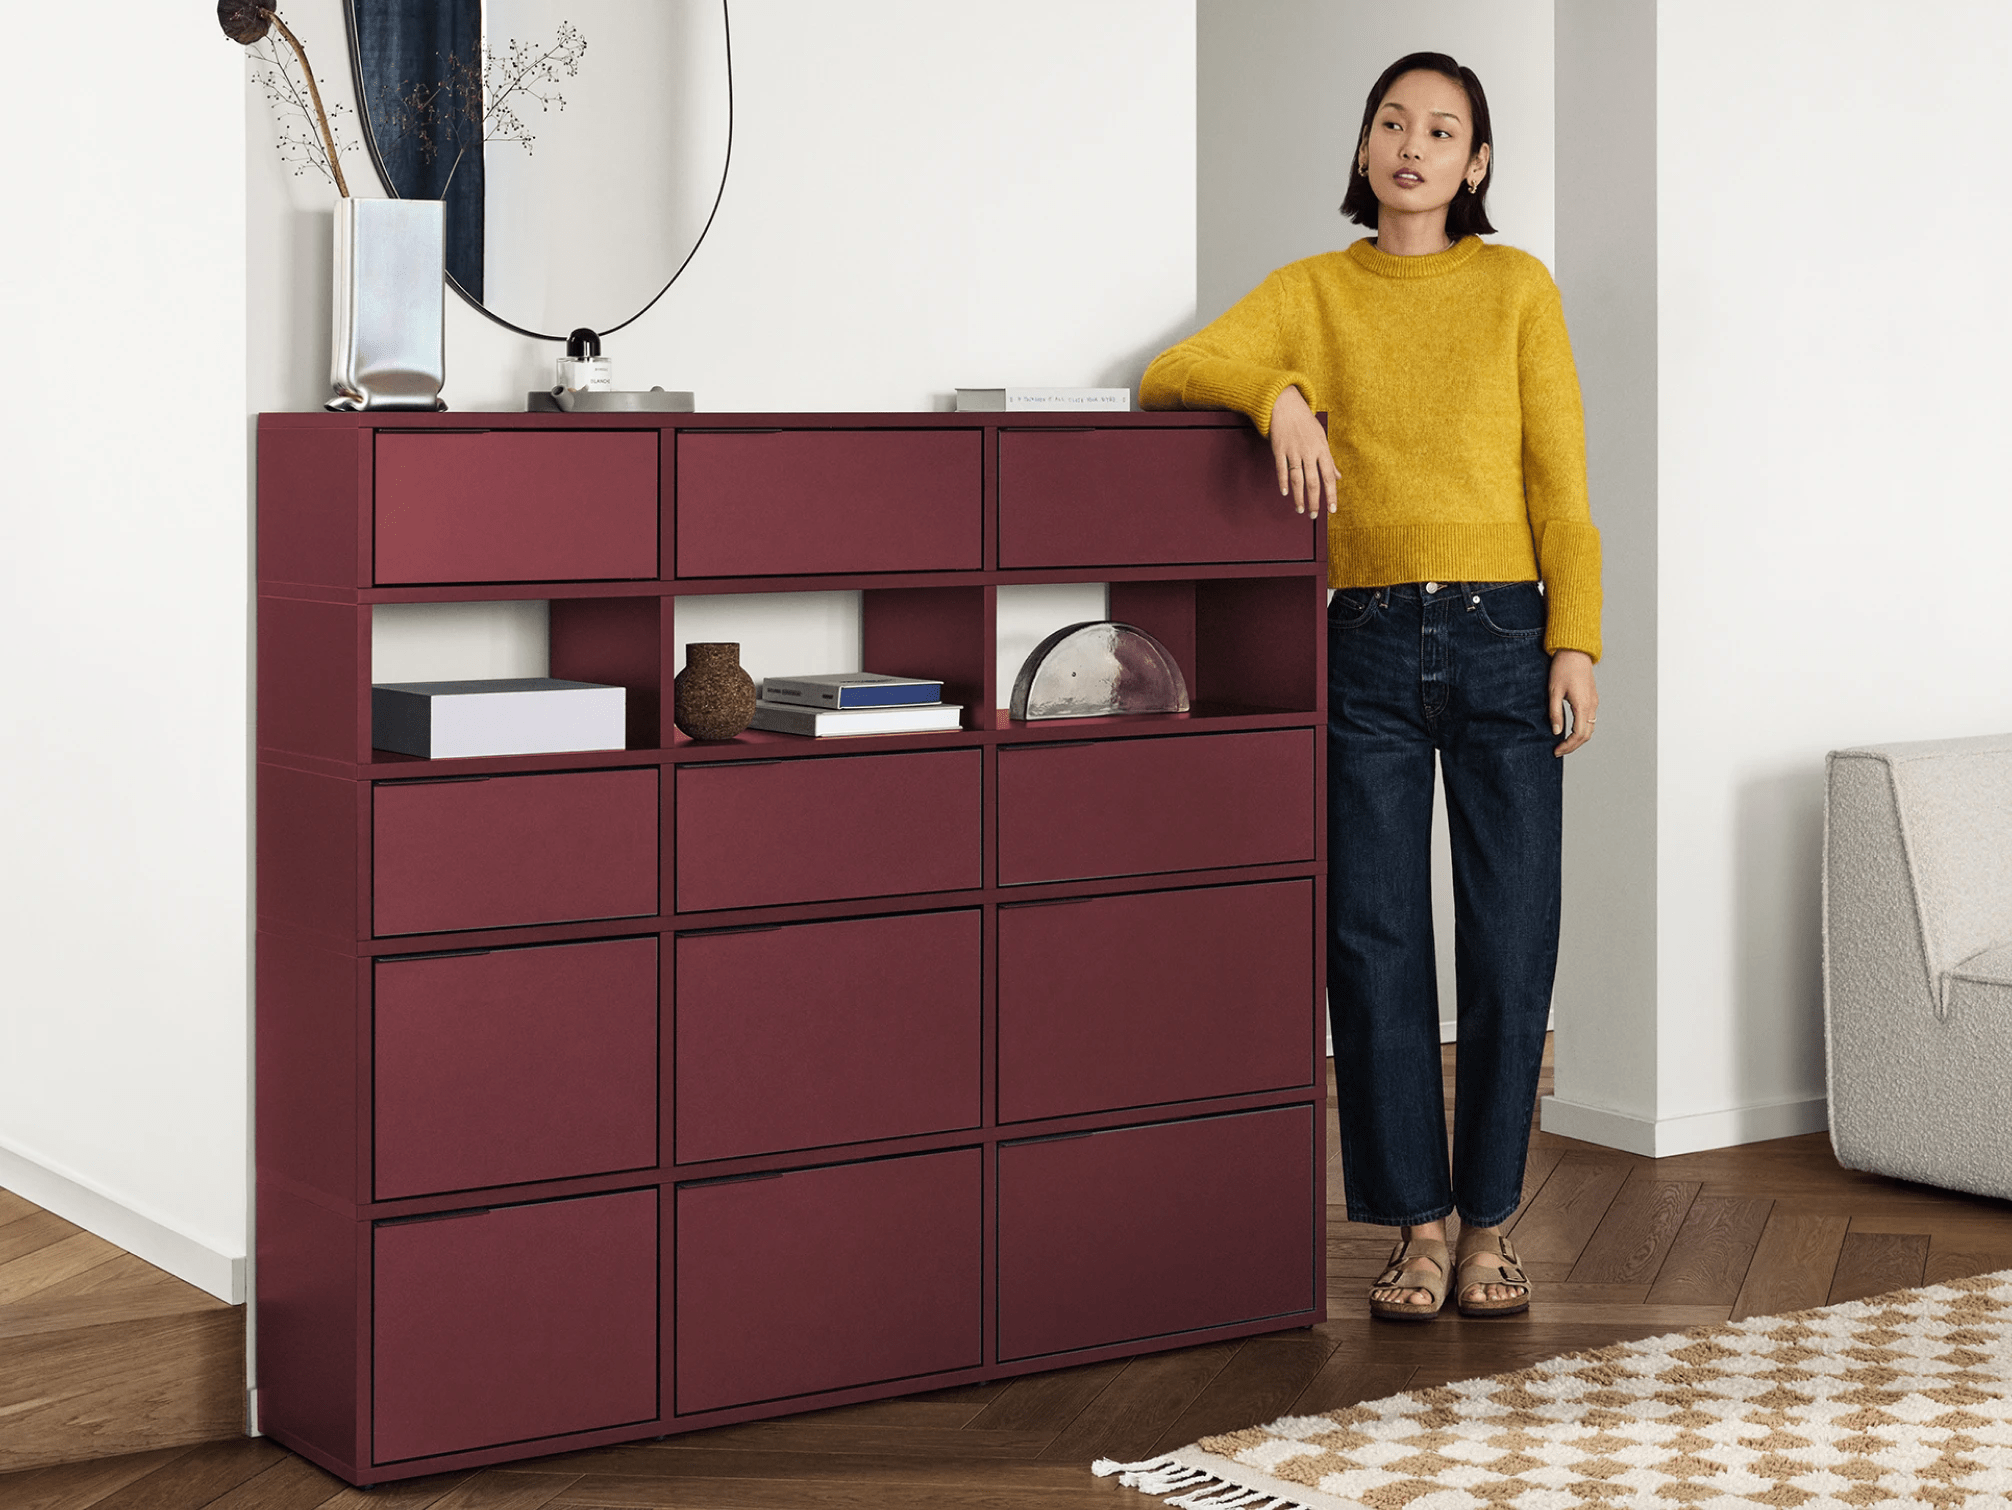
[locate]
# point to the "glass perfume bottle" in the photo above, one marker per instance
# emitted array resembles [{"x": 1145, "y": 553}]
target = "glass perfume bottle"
[{"x": 583, "y": 369}]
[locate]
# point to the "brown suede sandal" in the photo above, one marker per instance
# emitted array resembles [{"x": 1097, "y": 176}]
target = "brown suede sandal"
[
  {"x": 1396, "y": 1276},
  {"x": 1469, "y": 1274}
]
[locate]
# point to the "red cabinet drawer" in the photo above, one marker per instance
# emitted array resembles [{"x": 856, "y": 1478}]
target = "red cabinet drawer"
[
  {"x": 515, "y": 1065},
  {"x": 514, "y": 1323},
  {"x": 759, "y": 833},
  {"x": 764, "y": 503},
  {"x": 823, "y": 1033},
  {"x": 1135, "y": 806},
  {"x": 1143, "y": 497},
  {"x": 1114, "y": 1002},
  {"x": 504, "y": 851},
  {"x": 1145, "y": 1231},
  {"x": 823, "y": 1278},
  {"x": 516, "y": 506}
]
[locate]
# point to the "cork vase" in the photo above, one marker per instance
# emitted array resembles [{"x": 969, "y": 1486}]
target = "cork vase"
[{"x": 712, "y": 697}]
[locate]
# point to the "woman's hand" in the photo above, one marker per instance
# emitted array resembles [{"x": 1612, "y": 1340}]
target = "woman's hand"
[
  {"x": 1299, "y": 447},
  {"x": 1572, "y": 682}
]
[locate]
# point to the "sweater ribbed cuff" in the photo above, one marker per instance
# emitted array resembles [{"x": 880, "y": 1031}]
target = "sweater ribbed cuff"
[
  {"x": 1568, "y": 554},
  {"x": 1247, "y": 388}
]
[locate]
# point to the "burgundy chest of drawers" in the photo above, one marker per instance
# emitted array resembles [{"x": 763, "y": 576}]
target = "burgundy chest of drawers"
[{"x": 604, "y": 1096}]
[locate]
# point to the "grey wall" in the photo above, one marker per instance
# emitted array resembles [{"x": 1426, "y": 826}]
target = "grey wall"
[{"x": 1606, "y": 216}]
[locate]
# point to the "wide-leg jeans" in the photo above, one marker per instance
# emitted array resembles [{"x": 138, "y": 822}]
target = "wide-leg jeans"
[{"x": 1455, "y": 671}]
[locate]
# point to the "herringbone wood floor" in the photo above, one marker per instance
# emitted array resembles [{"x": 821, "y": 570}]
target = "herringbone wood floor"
[{"x": 1621, "y": 1246}]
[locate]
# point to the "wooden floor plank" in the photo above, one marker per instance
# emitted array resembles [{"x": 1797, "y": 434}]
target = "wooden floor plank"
[
  {"x": 1048, "y": 1402},
  {"x": 177, "y": 1380},
  {"x": 290, "y": 1484},
  {"x": 1633, "y": 1239},
  {"x": 77, "y": 1486},
  {"x": 1794, "y": 1262},
  {"x": 198, "y": 1477},
  {"x": 1128, "y": 1417},
  {"x": 51, "y": 1265},
  {"x": 14, "y": 1206},
  {"x": 812, "y": 1494},
  {"x": 34, "y": 1230},
  {"x": 1871, "y": 1263},
  {"x": 1258, "y": 1384},
  {"x": 1710, "y": 1255},
  {"x": 411, "y": 1494},
  {"x": 1559, "y": 1221},
  {"x": 490, "y": 1490},
  {"x": 1348, "y": 1378},
  {"x": 1961, "y": 1258}
]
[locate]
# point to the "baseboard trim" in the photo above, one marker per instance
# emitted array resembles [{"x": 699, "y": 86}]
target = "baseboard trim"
[
  {"x": 140, "y": 1234},
  {"x": 1669, "y": 1136}
]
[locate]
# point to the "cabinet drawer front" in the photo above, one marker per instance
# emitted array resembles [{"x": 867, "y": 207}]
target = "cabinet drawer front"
[
  {"x": 824, "y": 1033},
  {"x": 818, "y": 501},
  {"x": 1137, "y": 806},
  {"x": 517, "y": 506},
  {"x": 817, "y": 830},
  {"x": 515, "y": 1323},
  {"x": 1114, "y": 1002},
  {"x": 513, "y": 850},
  {"x": 825, "y": 1278},
  {"x": 1146, "y": 1231},
  {"x": 1144, "y": 497},
  {"x": 515, "y": 1065}
]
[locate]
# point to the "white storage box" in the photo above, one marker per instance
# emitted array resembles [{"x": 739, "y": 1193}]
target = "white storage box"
[{"x": 530, "y": 715}]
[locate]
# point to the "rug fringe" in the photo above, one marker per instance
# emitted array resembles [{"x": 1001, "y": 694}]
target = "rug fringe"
[{"x": 1198, "y": 1488}]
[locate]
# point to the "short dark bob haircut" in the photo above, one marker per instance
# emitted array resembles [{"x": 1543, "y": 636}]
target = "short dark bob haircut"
[{"x": 1468, "y": 214}]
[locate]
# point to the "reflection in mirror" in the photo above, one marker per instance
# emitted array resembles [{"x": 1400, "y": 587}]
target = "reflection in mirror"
[{"x": 581, "y": 144}]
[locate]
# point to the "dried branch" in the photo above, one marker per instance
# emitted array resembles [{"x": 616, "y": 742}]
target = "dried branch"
[
  {"x": 247, "y": 22},
  {"x": 301, "y": 145},
  {"x": 477, "y": 101}
]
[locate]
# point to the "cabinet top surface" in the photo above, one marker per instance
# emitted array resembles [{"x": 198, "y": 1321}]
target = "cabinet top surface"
[{"x": 1100, "y": 419}]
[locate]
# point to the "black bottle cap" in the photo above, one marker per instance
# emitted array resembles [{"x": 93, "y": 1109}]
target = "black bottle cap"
[{"x": 583, "y": 343}]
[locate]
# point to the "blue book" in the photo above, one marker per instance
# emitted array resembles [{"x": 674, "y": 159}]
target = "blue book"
[{"x": 850, "y": 689}]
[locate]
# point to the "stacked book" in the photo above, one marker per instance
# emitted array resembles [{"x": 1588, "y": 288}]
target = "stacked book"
[{"x": 854, "y": 702}]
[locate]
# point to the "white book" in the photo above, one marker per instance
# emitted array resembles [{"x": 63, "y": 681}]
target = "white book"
[
  {"x": 533, "y": 715},
  {"x": 924, "y": 718},
  {"x": 1043, "y": 400}
]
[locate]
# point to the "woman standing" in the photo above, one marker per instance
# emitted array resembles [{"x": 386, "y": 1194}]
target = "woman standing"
[{"x": 1464, "y": 626}]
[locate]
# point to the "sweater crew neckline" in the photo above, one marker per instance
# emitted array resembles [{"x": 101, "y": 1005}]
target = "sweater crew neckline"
[{"x": 1366, "y": 256}]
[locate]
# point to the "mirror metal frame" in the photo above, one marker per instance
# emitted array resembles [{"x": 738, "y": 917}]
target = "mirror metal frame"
[{"x": 391, "y": 189}]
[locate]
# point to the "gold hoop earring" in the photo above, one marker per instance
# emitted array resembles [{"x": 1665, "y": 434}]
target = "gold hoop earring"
[{"x": 1473, "y": 186}]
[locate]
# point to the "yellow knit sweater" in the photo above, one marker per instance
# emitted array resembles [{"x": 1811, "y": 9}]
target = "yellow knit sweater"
[{"x": 1453, "y": 415}]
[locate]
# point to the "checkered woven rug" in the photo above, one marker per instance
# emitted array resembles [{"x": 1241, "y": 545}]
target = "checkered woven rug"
[{"x": 1902, "y": 1399}]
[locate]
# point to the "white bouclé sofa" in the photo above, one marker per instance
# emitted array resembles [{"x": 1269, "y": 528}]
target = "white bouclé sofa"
[{"x": 1917, "y": 961}]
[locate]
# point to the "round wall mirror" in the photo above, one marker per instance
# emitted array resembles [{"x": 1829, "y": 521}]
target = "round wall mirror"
[{"x": 580, "y": 145}]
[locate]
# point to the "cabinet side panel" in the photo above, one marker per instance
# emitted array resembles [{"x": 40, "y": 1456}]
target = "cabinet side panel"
[
  {"x": 308, "y": 1342},
  {"x": 309, "y": 671},
  {"x": 312, "y": 485},
  {"x": 614, "y": 641},
  {"x": 307, "y": 1094},
  {"x": 934, "y": 632},
  {"x": 1252, "y": 641},
  {"x": 307, "y": 856}
]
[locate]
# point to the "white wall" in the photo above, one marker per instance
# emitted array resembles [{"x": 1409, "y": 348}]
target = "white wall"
[
  {"x": 1280, "y": 86},
  {"x": 123, "y": 895},
  {"x": 1830, "y": 472},
  {"x": 1834, "y": 443}
]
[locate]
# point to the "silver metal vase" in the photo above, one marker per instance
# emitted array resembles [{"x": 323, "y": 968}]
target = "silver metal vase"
[{"x": 389, "y": 347}]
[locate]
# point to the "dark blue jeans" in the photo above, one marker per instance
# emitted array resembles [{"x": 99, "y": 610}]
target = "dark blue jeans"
[{"x": 1457, "y": 670}]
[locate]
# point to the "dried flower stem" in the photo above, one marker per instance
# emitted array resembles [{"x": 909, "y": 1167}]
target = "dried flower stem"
[{"x": 321, "y": 115}]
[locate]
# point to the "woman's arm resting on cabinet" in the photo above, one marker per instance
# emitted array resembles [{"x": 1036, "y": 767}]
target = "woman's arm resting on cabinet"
[{"x": 1299, "y": 449}]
